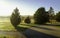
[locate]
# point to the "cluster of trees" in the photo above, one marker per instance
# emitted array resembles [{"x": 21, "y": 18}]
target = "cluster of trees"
[
  {"x": 41, "y": 16},
  {"x": 16, "y": 18}
]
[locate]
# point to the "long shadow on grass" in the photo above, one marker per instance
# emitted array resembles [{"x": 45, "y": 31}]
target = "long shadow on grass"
[
  {"x": 44, "y": 28},
  {"x": 39, "y": 26},
  {"x": 29, "y": 33}
]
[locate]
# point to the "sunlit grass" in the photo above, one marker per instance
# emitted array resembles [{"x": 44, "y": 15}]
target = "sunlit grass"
[
  {"x": 6, "y": 26},
  {"x": 7, "y": 36}
]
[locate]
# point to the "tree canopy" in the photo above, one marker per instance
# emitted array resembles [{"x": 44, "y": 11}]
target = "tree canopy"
[{"x": 41, "y": 16}]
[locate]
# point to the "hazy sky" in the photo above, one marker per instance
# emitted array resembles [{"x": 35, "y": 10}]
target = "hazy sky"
[{"x": 27, "y": 7}]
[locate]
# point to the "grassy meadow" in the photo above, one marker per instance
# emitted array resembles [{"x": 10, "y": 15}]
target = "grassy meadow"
[{"x": 6, "y": 27}]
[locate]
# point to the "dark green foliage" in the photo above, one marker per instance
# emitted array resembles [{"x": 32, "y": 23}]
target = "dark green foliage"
[
  {"x": 41, "y": 16},
  {"x": 58, "y": 17},
  {"x": 15, "y": 18},
  {"x": 27, "y": 20}
]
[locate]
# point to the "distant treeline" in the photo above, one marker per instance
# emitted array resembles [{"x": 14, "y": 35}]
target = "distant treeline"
[{"x": 41, "y": 16}]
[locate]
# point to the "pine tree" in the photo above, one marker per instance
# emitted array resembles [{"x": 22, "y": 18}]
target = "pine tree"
[{"x": 15, "y": 17}]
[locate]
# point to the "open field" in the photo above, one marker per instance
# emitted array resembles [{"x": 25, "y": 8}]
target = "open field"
[{"x": 9, "y": 31}]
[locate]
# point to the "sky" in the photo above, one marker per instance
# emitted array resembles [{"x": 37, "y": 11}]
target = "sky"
[{"x": 27, "y": 7}]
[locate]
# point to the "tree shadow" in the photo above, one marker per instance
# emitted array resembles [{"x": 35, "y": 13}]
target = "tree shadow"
[
  {"x": 20, "y": 29},
  {"x": 29, "y": 33},
  {"x": 31, "y": 25},
  {"x": 38, "y": 26},
  {"x": 44, "y": 28},
  {"x": 52, "y": 24},
  {"x": 36, "y": 34}
]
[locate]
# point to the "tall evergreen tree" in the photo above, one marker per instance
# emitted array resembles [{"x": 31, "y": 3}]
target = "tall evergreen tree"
[
  {"x": 41, "y": 16},
  {"x": 15, "y": 17}
]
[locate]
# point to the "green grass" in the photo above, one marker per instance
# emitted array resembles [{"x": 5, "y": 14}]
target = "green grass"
[
  {"x": 6, "y": 36},
  {"x": 6, "y": 26}
]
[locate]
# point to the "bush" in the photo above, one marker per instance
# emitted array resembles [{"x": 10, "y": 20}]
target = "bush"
[{"x": 27, "y": 20}]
